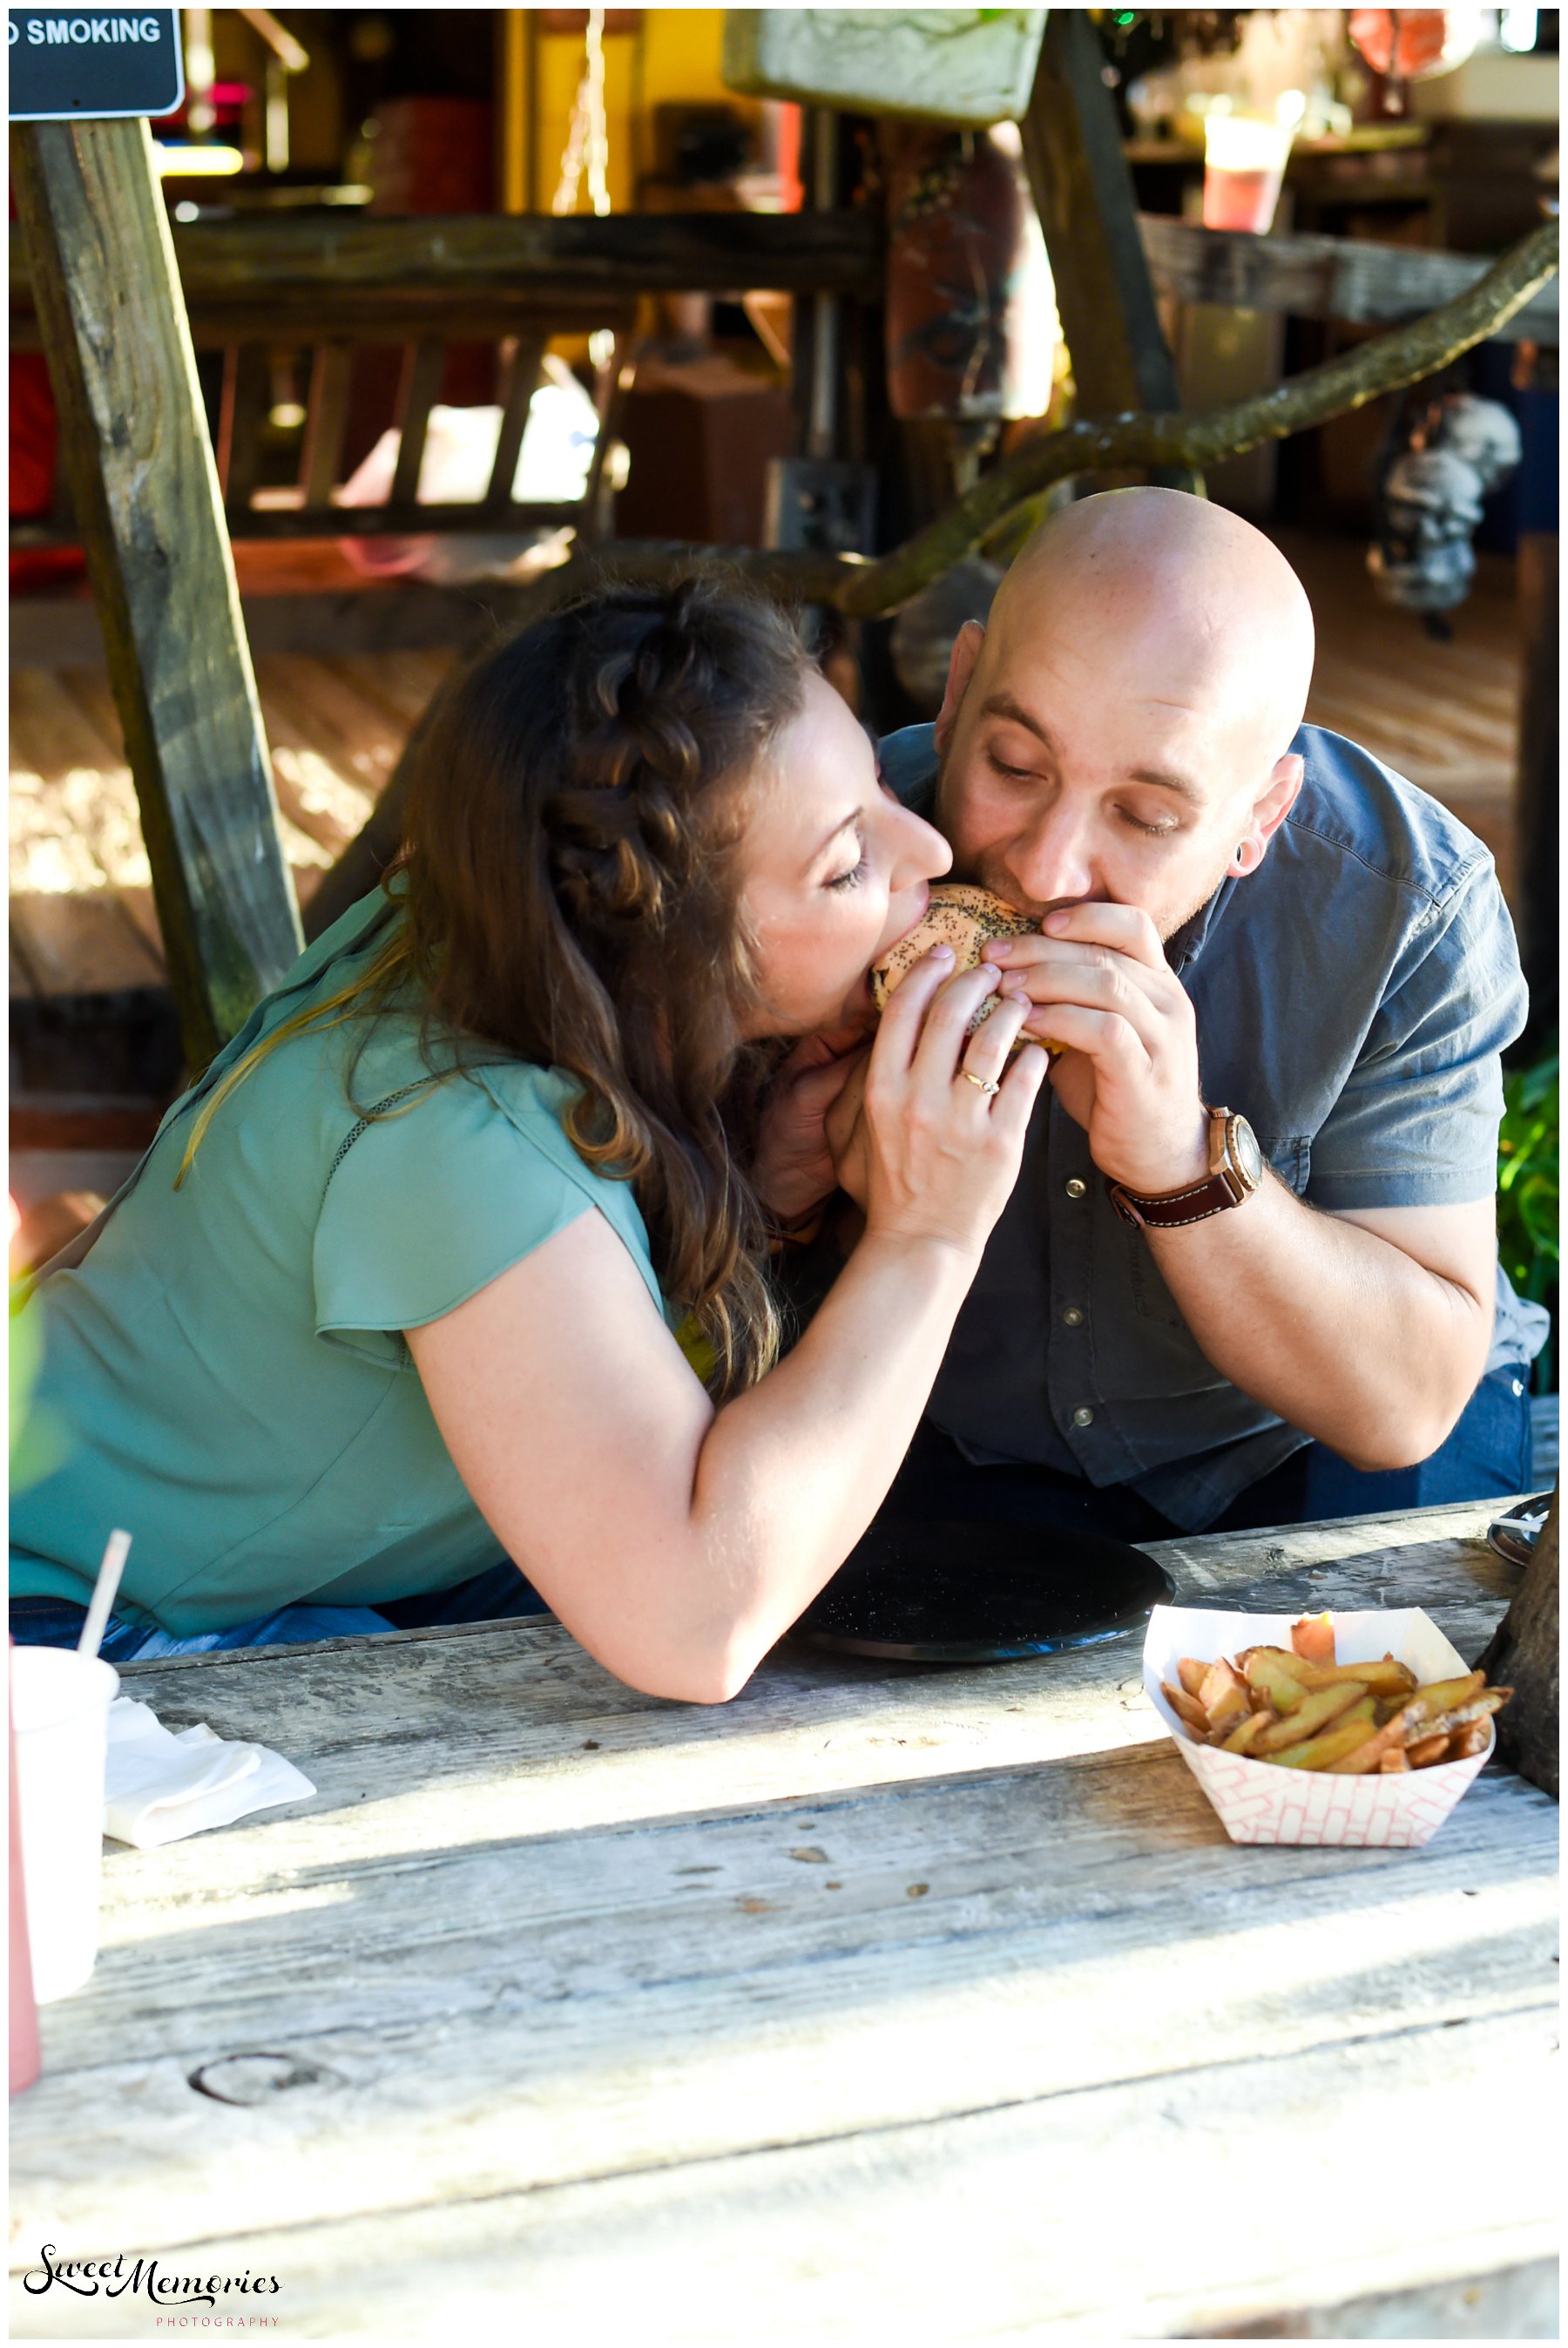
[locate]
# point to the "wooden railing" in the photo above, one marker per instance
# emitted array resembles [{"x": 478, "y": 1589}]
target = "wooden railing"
[
  {"x": 1323, "y": 277},
  {"x": 335, "y": 286},
  {"x": 481, "y": 277}
]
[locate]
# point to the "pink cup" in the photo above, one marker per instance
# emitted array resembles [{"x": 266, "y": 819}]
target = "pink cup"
[{"x": 1244, "y": 169}]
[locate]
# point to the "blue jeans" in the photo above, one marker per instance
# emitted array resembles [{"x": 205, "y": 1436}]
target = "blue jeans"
[
  {"x": 496, "y": 1596},
  {"x": 1485, "y": 1458}
]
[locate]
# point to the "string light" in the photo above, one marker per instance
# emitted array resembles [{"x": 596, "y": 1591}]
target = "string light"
[{"x": 587, "y": 146}]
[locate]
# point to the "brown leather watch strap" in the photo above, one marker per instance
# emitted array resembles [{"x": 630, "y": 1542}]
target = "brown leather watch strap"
[
  {"x": 1172, "y": 1208},
  {"x": 1225, "y": 1185}
]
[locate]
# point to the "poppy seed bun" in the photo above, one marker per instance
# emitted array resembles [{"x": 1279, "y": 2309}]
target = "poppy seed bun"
[{"x": 958, "y": 916}]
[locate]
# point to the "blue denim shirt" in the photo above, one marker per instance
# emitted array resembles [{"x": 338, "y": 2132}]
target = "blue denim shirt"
[{"x": 1353, "y": 995}]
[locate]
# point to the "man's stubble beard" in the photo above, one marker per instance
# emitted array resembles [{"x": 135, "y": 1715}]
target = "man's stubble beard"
[{"x": 1195, "y": 909}]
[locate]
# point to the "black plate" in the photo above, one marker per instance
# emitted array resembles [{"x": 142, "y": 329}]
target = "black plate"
[
  {"x": 1514, "y": 1535},
  {"x": 982, "y": 1593}
]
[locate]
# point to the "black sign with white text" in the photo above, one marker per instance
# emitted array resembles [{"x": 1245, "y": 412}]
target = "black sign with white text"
[{"x": 92, "y": 63}]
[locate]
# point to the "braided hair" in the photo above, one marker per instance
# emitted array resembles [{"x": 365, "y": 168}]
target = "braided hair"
[{"x": 571, "y": 897}]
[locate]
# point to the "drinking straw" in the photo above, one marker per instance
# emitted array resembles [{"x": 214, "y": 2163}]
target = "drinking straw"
[{"x": 104, "y": 1590}]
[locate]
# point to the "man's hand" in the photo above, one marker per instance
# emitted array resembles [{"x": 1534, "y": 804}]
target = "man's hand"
[
  {"x": 794, "y": 1168},
  {"x": 1101, "y": 987}
]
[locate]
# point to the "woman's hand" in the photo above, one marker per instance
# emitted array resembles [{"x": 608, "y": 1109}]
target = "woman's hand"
[
  {"x": 794, "y": 1172},
  {"x": 942, "y": 1128}
]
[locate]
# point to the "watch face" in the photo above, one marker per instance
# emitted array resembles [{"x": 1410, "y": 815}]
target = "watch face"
[{"x": 1245, "y": 1152}]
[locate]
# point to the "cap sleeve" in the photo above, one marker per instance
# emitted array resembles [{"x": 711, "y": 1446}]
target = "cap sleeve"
[{"x": 428, "y": 1202}]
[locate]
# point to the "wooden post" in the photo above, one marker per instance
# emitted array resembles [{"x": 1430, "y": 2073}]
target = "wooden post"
[
  {"x": 1083, "y": 194},
  {"x": 133, "y": 434},
  {"x": 1523, "y": 1655}
]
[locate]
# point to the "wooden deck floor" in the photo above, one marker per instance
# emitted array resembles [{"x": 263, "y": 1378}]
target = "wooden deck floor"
[
  {"x": 1446, "y": 715},
  {"x": 82, "y": 920}
]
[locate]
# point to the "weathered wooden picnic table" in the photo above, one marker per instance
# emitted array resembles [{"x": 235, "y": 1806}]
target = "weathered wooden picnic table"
[{"x": 880, "y": 2004}]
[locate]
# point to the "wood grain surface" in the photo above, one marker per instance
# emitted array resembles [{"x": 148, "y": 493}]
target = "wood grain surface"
[
  {"x": 880, "y": 1997},
  {"x": 365, "y": 275}
]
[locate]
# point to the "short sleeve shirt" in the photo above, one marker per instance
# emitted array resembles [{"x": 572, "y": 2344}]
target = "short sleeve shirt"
[
  {"x": 1352, "y": 997},
  {"x": 227, "y": 1367}
]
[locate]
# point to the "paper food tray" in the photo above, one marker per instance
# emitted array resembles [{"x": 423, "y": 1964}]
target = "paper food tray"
[{"x": 1259, "y": 1802}]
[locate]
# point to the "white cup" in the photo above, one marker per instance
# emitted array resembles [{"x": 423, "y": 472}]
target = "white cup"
[{"x": 60, "y": 1704}]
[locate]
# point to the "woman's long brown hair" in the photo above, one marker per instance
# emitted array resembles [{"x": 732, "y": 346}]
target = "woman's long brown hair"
[{"x": 569, "y": 895}]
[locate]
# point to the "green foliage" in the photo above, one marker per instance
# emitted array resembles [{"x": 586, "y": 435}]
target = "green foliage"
[{"x": 1527, "y": 1190}]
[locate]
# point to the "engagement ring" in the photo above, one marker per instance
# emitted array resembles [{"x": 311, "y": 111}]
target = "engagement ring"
[{"x": 984, "y": 1084}]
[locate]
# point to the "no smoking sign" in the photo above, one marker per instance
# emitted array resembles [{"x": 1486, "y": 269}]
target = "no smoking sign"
[{"x": 93, "y": 62}]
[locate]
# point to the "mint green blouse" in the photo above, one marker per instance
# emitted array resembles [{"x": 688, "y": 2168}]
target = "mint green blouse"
[{"x": 228, "y": 1363}]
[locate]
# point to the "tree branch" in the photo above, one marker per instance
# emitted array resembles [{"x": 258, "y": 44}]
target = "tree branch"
[
  {"x": 1422, "y": 348},
  {"x": 869, "y": 590}
]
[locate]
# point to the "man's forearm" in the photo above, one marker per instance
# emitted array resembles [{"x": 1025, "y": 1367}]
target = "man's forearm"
[{"x": 1338, "y": 1330}]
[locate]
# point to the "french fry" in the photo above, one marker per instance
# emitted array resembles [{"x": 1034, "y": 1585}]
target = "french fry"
[
  {"x": 1444, "y": 1695},
  {"x": 1268, "y": 1675},
  {"x": 1313, "y": 1638},
  {"x": 1427, "y": 1749},
  {"x": 1313, "y": 1712},
  {"x": 1245, "y": 1732},
  {"x": 1302, "y": 1710},
  {"x": 1327, "y": 1751},
  {"x": 1462, "y": 1715},
  {"x": 1187, "y": 1708},
  {"x": 1369, "y": 1756},
  {"x": 1225, "y": 1695},
  {"x": 1387, "y": 1678},
  {"x": 1413, "y": 1720}
]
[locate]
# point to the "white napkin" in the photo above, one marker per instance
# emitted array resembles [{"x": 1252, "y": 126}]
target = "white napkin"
[{"x": 159, "y": 1787}]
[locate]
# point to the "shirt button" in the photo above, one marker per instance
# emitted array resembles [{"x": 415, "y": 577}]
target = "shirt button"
[
  {"x": 1073, "y": 1317},
  {"x": 1076, "y": 1188},
  {"x": 1083, "y": 1416}
]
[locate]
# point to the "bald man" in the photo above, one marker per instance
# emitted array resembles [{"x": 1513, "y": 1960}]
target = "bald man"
[{"x": 1249, "y": 1272}]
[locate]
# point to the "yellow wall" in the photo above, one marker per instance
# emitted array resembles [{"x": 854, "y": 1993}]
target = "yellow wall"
[{"x": 674, "y": 56}]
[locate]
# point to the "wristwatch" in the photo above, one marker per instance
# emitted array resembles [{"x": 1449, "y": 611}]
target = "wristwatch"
[{"x": 1236, "y": 1171}]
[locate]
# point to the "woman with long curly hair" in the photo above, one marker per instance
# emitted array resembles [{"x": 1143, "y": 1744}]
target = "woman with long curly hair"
[{"x": 449, "y": 1281}]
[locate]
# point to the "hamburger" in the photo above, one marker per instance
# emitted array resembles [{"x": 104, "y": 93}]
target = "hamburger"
[{"x": 966, "y": 919}]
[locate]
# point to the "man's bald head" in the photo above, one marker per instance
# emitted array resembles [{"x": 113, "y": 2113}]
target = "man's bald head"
[
  {"x": 1123, "y": 729},
  {"x": 1176, "y": 589}
]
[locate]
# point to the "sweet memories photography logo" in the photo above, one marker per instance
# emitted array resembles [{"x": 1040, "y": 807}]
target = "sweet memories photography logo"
[{"x": 114, "y": 2277}]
